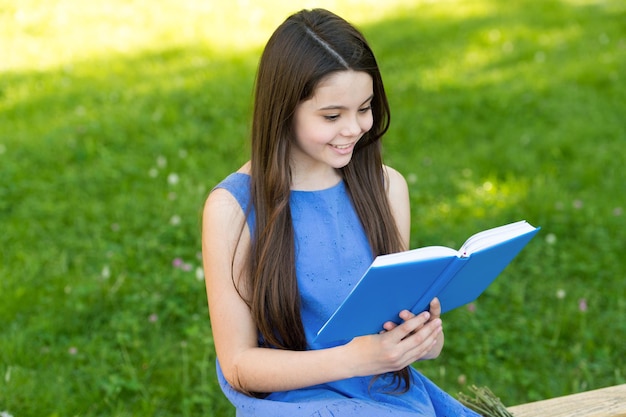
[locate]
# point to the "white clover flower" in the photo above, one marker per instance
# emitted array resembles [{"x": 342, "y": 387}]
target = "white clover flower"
[
  {"x": 175, "y": 220},
  {"x": 550, "y": 238},
  {"x": 106, "y": 272},
  {"x": 153, "y": 173},
  {"x": 200, "y": 273},
  {"x": 560, "y": 294},
  {"x": 172, "y": 179},
  {"x": 161, "y": 161}
]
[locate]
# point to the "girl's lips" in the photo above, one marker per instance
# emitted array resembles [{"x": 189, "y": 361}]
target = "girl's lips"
[{"x": 344, "y": 149}]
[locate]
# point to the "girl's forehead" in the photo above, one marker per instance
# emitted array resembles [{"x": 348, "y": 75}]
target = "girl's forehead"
[{"x": 343, "y": 86}]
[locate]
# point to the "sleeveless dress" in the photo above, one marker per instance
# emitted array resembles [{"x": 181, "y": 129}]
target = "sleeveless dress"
[{"x": 332, "y": 252}]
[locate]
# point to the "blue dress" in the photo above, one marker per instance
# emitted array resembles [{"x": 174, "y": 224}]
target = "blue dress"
[{"x": 332, "y": 252}]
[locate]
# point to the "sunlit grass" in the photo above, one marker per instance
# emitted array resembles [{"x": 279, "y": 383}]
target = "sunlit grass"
[{"x": 39, "y": 35}]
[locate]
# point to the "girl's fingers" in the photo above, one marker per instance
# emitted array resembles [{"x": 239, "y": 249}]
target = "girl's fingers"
[
  {"x": 390, "y": 325},
  {"x": 406, "y": 315},
  {"x": 435, "y": 307},
  {"x": 422, "y": 347},
  {"x": 412, "y": 324}
]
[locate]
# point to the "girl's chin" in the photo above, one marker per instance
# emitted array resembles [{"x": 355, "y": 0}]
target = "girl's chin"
[{"x": 341, "y": 162}]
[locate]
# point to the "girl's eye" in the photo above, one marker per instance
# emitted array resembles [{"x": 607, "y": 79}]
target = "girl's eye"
[{"x": 335, "y": 117}]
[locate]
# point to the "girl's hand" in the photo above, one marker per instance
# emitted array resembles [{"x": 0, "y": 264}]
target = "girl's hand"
[
  {"x": 418, "y": 337},
  {"x": 435, "y": 313}
]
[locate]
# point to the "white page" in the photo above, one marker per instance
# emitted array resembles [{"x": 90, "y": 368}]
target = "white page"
[
  {"x": 428, "y": 252},
  {"x": 491, "y": 237}
]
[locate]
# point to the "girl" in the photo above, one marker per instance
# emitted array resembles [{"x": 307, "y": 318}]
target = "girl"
[{"x": 287, "y": 236}]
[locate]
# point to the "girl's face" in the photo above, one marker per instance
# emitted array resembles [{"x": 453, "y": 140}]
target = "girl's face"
[{"x": 329, "y": 124}]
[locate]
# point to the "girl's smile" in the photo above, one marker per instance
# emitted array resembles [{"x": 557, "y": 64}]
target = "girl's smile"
[{"x": 344, "y": 149}]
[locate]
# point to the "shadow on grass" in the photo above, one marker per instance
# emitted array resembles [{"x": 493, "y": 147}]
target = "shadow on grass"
[{"x": 505, "y": 112}]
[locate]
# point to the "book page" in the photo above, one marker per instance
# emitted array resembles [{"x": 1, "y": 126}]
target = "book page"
[
  {"x": 492, "y": 237},
  {"x": 428, "y": 252}
]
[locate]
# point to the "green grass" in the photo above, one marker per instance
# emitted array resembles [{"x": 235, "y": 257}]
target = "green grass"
[{"x": 116, "y": 121}]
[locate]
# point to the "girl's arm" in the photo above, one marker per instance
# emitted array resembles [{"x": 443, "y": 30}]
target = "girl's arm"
[{"x": 250, "y": 368}]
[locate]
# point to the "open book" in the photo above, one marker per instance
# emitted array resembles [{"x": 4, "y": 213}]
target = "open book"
[{"x": 410, "y": 280}]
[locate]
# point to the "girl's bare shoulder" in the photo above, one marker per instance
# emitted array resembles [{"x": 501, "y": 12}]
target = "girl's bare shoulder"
[
  {"x": 394, "y": 180},
  {"x": 245, "y": 168}
]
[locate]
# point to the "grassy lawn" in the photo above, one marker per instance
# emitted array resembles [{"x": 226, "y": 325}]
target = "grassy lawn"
[{"x": 116, "y": 120}]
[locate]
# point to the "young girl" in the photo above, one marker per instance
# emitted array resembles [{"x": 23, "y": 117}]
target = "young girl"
[{"x": 287, "y": 236}]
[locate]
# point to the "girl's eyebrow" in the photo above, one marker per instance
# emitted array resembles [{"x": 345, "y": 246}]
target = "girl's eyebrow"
[{"x": 337, "y": 107}]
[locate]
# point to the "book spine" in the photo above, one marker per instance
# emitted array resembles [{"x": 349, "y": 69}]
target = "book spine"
[{"x": 423, "y": 304}]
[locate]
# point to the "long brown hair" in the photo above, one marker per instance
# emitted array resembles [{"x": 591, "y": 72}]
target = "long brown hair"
[{"x": 307, "y": 47}]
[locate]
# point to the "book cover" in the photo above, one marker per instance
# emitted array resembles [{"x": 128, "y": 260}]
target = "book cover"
[{"x": 411, "y": 279}]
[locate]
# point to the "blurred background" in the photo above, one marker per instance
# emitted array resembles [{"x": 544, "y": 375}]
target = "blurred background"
[{"x": 118, "y": 117}]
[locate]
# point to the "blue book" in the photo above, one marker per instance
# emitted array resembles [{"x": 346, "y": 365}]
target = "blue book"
[{"x": 410, "y": 280}]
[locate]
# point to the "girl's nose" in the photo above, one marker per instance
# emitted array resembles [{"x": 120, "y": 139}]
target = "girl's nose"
[{"x": 352, "y": 127}]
